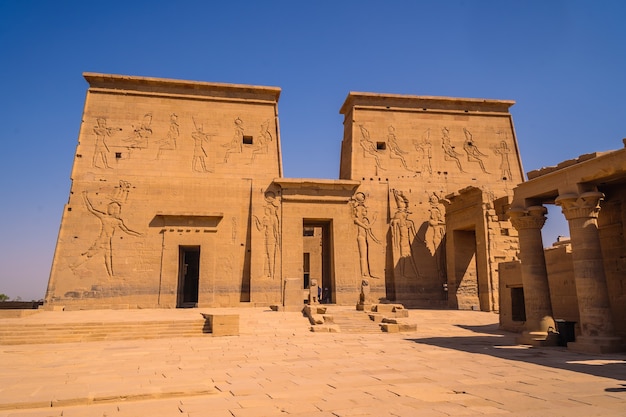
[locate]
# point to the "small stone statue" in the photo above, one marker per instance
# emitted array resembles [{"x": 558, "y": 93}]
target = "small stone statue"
[
  {"x": 365, "y": 292},
  {"x": 313, "y": 292}
]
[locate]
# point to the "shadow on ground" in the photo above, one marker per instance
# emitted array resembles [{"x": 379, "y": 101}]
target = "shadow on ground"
[{"x": 489, "y": 340}]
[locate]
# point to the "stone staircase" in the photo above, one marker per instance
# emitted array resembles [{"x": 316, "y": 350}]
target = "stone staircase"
[
  {"x": 353, "y": 321},
  {"x": 36, "y": 333},
  {"x": 108, "y": 325},
  {"x": 366, "y": 318}
]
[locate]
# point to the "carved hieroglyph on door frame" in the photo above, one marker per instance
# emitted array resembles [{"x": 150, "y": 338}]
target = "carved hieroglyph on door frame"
[
  {"x": 364, "y": 232},
  {"x": 269, "y": 225}
]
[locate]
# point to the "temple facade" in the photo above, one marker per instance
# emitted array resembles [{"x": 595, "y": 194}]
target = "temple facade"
[{"x": 178, "y": 199}]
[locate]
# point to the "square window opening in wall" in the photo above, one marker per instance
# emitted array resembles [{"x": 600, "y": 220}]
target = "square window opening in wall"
[
  {"x": 381, "y": 146},
  {"x": 247, "y": 140}
]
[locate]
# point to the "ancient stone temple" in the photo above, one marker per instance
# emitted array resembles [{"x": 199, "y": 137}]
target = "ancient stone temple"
[
  {"x": 178, "y": 199},
  {"x": 581, "y": 280}
]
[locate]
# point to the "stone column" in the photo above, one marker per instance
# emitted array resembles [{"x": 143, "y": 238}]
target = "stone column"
[
  {"x": 596, "y": 323},
  {"x": 539, "y": 329}
]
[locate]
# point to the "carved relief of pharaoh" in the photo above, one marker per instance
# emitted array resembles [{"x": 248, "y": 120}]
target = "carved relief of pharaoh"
[
  {"x": 269, "y": 225},
  {"x": 473, "y": 153},
  {"x": 403, "y": 233},
  {"x": 364, "y": 232},
  {"x": 110, "y": 222},
  {"x": 436, "y": 232}
]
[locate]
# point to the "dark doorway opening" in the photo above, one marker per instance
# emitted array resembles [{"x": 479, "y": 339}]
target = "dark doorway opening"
[
  {"x": 317, "y": 257},
  {"x": 518, "y": 306},
  {"x": 188, "y": 276},
  {"x": 467, "y": 292}
]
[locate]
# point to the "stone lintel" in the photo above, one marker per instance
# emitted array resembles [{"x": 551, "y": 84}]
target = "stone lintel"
[
  {"x": 561, "y": 165},
  {"x": 591, "y": 170},
  {"x": 311, "y": 190},
  {"x": 205, "y": 220},
  {"x": 149, "y": 85},
  {"x": 398, "y": 101}
]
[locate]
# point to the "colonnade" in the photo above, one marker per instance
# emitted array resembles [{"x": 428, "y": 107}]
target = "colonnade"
[{"x": 596, "y": 323}]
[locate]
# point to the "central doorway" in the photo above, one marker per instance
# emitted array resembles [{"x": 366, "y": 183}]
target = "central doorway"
[
  {"x": 188, "y": 276},
  {"x": 317, "y": 262}
]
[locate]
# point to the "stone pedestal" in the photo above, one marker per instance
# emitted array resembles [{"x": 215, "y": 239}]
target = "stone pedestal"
[
  {"x": 540, "y": 328},
  {"x": 596, "y": 322},
  {"x": 293, "y": 299},
  {"x": 223, "y": 324}
]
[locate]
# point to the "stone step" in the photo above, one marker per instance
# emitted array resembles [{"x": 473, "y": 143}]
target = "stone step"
[
  {"x": 82, "y": 332},
  {"x": 265, "y": 323},
  {"x": 353, "y": 321}
]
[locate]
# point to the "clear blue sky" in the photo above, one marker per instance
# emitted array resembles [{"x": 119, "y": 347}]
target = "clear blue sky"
[{"x": 563, "y": 62}]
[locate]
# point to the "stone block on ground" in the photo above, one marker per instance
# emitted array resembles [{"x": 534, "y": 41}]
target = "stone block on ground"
[
  {"x": 390, "y": 328},
  {"x": 376, "y": 318},
  {"x": 387, "y": 308},
  {"x": 223, "y": 324}
]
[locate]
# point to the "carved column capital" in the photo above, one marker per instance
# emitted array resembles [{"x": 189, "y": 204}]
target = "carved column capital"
[
  {"x": 533, "y": 217},
  {"x": 585, "y": 205}
]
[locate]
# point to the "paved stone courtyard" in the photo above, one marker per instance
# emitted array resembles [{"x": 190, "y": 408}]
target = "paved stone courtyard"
[{"x": 457, "y": 364}]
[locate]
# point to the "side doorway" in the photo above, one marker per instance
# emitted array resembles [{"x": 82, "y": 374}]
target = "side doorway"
[
  {"x": 188, "y": 276},
  {"x": 317, "y": 257}
]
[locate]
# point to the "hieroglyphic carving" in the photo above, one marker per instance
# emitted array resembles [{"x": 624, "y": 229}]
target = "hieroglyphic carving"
[
  {"x": 449, "y": 153},
  {"x": 109, "y": 223},
  {"x": 141, "y": 133},
  {"x": 403, "y": 233},
  {"x": 235, "y": 144},
  {"x": 169, "y": 142},
  {"x": 200, "y": 138},
  {"x": 396, "y": 152},
  {"x": 233, "y": 233},
  {"x": 424, "y": 149},
  {"x": 435, "y": 234},
  {"x": 364, "y": 232},
  {"x": 504, "y": 151},
  {"x": 264, "y": 140},
  {"x": 473, "y": 153},
  {"x": 270, "y": 226},
  {"x": 369, "y": 147},
  {"x": 102, "y": 132},
  {"x": 120, "y": 193}
]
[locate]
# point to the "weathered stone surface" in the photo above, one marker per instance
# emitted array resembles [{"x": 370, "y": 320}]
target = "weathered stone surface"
[
  {"x": 223, "y": 324},
  {"x": 178, "y": 200},
  {"x": 581, "y": 279}
]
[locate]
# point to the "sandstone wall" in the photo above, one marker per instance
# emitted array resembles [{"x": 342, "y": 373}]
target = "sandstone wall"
[{"x": 162, "y": 165}]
